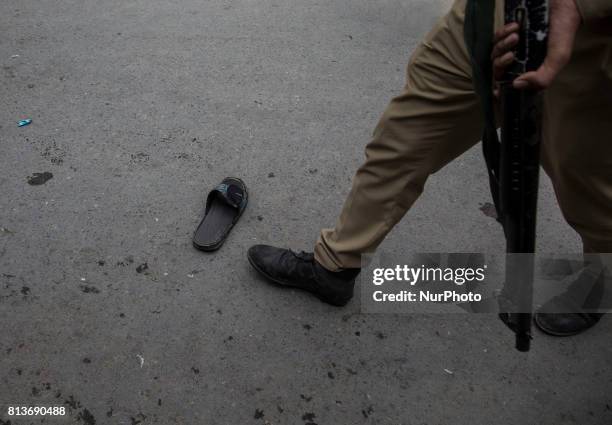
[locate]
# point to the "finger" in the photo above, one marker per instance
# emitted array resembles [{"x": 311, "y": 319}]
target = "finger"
[
  {"x": 545, "y": 74},
  {"x": 536, "y": 80},
  {"x": 524, "y": 82},
  {"x": 505, "y": 31},
  {"x": 504, "y": 45},
  {"x": 496, "y": 93},
  {"x": 500, "y": 64}
]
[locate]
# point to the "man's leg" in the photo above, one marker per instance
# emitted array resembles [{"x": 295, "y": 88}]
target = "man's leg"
[
  {"x": 577, "y": 155},
  {"x": 577, "y": 152},
  {"x": 435, "y": 119}
]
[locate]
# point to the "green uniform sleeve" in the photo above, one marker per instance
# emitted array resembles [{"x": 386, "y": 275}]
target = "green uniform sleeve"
[{"x": 595, "y": 11}]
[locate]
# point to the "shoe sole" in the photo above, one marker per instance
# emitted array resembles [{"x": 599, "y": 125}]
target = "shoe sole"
[
  {"x": 288, "y": 285},
  {"x": 554, "y": 333}
]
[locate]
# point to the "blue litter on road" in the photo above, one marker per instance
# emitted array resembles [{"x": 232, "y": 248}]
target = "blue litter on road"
[{"x": 24, "y": 122}]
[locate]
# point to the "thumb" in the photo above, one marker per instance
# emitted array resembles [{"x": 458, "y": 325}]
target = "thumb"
[{"x": 538, "y": 79}]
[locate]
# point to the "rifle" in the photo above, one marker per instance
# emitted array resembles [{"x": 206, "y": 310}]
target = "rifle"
[{"x": 515, "y": 172}]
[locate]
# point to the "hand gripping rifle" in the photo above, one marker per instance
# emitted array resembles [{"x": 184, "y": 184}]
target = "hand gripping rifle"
[{"x": 515, "y": 173}]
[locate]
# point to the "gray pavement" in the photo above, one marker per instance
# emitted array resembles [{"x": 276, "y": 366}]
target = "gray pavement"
[{"x": 139, "y": 108}]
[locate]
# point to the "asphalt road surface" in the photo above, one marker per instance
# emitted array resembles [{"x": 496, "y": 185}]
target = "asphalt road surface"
[{"x": 139, "y": 108}]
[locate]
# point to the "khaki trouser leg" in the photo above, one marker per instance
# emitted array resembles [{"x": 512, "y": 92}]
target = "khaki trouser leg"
[
  {"x": 577, "y": 145},
  {"x": 435, "y": 119}
]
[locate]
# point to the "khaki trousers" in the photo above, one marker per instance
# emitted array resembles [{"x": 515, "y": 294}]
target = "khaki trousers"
[{"x": 437, "y": 117}]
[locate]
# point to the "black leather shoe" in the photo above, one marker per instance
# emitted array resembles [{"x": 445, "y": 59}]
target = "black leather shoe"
[
  {"x": 300, "y": 270},
  {"x": 574, "y": 311},
  {"x": 565, "y": 324}
]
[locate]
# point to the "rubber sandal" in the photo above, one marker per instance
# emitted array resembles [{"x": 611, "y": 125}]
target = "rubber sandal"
[{"x": 224, "y": 206}]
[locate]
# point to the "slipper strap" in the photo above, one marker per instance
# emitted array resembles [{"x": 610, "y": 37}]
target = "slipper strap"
[{"x": 231, "y": 194}]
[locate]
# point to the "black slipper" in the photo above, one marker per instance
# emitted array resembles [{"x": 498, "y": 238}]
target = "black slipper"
[{"x": 224, "y": 206}]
